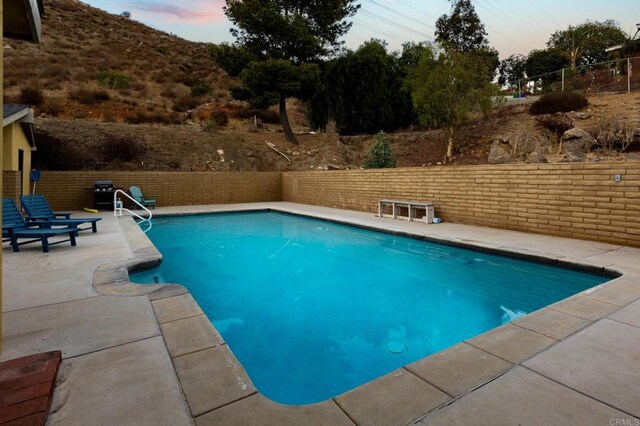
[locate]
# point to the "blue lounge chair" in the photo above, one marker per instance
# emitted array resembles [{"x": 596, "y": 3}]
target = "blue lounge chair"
[
  {"x": 15, "y": 227},
  {"x": 38, "y": 209},
  {"x": 137, "y": 195}
]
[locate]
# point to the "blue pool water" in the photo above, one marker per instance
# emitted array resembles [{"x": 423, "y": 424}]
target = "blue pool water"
[{"x": 313, "y": 309}]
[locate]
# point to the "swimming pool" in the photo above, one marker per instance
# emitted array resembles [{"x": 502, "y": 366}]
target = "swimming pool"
[{"x": 313, "y": 309}]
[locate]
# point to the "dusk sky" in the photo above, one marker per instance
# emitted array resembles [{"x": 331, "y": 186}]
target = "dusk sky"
[{"x": 513, "y": 26}]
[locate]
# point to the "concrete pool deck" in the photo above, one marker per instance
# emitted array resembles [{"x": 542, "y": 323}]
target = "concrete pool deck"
[{"x": 135, "y": 355}]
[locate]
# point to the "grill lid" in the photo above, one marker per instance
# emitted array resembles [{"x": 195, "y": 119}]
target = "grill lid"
[{"x": 103, "y": 185}]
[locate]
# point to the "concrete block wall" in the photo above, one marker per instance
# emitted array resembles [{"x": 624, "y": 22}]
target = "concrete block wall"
[
  {"x": 578, "y": 200},
  {"x": 66, "y": 190},
  {"x": 11, "y": 184}
]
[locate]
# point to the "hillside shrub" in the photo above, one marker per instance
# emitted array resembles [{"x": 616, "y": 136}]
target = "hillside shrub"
[
  {"x": 200, "y": 89},
  {"x": 57, "y": 154},
  {"x": 156, "y": 117},
  {"x": 31, "y": 96},
  {"x": 268, "y": 116},
  {"x": 89, "y": 96},
  {"x": 113, "y": 79},
  {"x": 220, "y": 118},
  {"x": 614, "y": 134},
  {"x": 185, "y": 103},
  {"x": 557, "y": 123},
  {"x": 53, "y": 107},
  {"x": 380, "y": 154},
  {"x": 123, "y": 148},
  {"x": 552, "y": 103}
]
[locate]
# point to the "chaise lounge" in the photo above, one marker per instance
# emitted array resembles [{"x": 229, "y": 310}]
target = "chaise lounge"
[
  {"x": 38, "y": 209},
  {"x": 15, "y": 227}
]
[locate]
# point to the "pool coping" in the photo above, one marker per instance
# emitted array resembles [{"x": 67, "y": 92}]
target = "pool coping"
[{"x": 419, "y": 388}]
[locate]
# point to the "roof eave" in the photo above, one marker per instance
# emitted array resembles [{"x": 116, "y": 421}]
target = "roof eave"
[
  {"x": 22, "y": 116},
  {"x": 22, "y": 19}
]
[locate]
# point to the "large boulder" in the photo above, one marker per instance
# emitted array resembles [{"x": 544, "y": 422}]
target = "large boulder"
[
  {"x": 499, "y": 153},
  {"x": 576, "y": 142},
  {"x": 536, "y": 157}
]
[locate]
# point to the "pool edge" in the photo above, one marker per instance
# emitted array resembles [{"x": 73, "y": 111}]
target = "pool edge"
[{"x": 145, "y": 255}]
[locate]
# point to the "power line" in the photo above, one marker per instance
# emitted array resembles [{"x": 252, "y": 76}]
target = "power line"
[
  {"x": 392, "y": 23},
  {"x": 400, "y": 14},
  {"x": 379, "y": 31},
  {"x": 492, "y": 13}
]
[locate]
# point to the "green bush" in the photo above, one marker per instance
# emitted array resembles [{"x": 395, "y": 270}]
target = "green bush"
[
  {"x": 200, "y": 89},
  {"x": 113, "y": 79},
  {"x": 558, "y": 102},
  {"x": 381, "y": 156}
]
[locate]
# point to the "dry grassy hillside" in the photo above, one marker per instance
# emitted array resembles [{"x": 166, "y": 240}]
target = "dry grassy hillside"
[
  {"x": 92, "y": 64},
  {"x": 113, "y": 94}
]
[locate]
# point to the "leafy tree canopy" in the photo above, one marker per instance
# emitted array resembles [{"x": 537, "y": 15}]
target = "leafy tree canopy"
[
  {"x": 511, "y": 70},
  {"x": 296, "y": 30},
  {"x": 232, "y": 59},
  {"x": 363, "y": 92},
  {"x": 586, "y": 43},
  {"x": 546, "y": 62},
  {"x": 462, "y": 29},
  {"x": 276, "y": 40},
  {"x": 447, "y": 87}
]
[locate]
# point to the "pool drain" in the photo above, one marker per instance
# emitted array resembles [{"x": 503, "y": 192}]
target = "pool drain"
[{"x": 396, "y": 347}]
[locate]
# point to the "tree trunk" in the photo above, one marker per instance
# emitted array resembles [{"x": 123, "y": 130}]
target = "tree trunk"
[
  {"x": 284, "y": 120},
  {"x": 450, "y": 145}
]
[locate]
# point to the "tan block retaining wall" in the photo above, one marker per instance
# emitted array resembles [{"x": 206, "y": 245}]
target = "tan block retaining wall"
[
  {"x": 66, "y": 190},
  {"x": 11, "y": 184},
  {"x": 579, "y": 200}
]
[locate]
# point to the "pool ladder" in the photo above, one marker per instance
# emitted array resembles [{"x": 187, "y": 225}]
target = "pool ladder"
[{"x": 118, "y": 207}]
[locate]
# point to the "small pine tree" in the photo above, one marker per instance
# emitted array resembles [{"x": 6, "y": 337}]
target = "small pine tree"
[{"x": 381, "y": 156}]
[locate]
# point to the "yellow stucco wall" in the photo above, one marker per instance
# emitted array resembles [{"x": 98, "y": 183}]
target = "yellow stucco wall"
[
  {"x": 1, "y": 139},
  {"x": 14, "y": 140}
]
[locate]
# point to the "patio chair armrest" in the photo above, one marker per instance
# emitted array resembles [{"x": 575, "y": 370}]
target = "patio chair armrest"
[
  {"x": 44, "y": 224},
  {"x": 65, "y": 215},
  {"x": 36, "y": 218}
]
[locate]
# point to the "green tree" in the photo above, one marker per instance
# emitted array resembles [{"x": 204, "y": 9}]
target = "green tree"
[
  {"x": 232, "y": 59},
  {"x": 275, "y": 32},
  {"x": 545, "y": 63},
  {"x": 363, "y": 91},
  {"x": 447, "y": 87},
  {"x": 462, "y": 31},
  {"x": 511, "y": 70},
  {"x": 585, "y": 43},
  {"x": 381, "y": 156}
]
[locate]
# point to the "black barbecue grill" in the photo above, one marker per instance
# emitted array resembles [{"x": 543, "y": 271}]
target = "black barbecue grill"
[{"x": 103, "y": 194}]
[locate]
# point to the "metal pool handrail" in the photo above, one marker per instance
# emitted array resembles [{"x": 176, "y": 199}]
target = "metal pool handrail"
[{"x": 118, "y": 208}]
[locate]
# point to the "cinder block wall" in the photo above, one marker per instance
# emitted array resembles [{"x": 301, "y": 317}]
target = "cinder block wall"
[
  {"x": 11, "y": 184},
  {"x": 66, "y": 190},
  {"x": 579, "y": 200}
]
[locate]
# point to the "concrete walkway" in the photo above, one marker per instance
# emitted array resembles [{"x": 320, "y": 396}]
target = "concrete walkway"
[{"x": 153, "y": 359}]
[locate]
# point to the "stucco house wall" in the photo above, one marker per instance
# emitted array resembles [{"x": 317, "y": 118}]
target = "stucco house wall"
[{"x": 14, "y": 140}]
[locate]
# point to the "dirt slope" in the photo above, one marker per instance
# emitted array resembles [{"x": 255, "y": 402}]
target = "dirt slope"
[{"x": 116, "y": 94}]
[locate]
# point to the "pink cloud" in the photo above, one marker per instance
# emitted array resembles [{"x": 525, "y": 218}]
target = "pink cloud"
[{"x": 193, "y": 12}]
